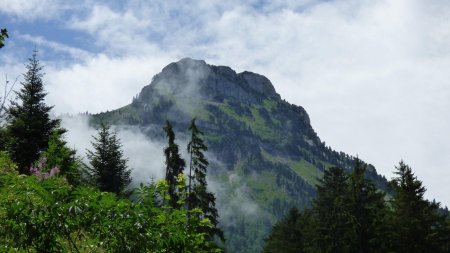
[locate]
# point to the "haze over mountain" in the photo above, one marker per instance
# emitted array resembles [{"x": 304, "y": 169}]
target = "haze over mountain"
[{"x": 265, "y": 155}]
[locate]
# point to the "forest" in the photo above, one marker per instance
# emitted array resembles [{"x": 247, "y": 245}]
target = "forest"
[
  {"x": 52, "y": 201},
  {"x": 350, "y": 214}
]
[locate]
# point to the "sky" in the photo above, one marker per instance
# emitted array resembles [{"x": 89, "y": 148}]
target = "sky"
[{"x": 374, "y": 75}]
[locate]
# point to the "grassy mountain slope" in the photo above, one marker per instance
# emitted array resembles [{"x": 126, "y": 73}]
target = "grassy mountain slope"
[{"x": 267, "y": 157}]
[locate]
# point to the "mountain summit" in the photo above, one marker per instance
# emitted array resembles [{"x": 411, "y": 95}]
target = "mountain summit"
[
  {"x": 195, "y": 77},
  {"x": 265, "y": 155}
]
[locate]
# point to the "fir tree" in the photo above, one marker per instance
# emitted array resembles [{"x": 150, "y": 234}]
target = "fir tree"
[
  {"x": 109, "y": 169},
  {"x": 199, "y": 196},
  {"x": 63, "y": 157},
  {"x": 174, "y": 165},
  {"x": 29, "y": 125},
  {"x": 3, "y": 36},
  {"x": 367, "y": 208},
  {"x": 3, "y": 138},
  {"x": 287, "y": 235},
  {"x": 332, "y": 218},
  {"x": 417, "y": 225},
  {"x": 351, "y": 215}
]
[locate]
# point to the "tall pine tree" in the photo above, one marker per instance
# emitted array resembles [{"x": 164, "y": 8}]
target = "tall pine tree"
[
  {"x": 367, "y": 208},
  {"x": 109, "y": 169},
  {"x": 333, "y": 232},
  {"x": 198, "y": 194},
  {"x": 417, "y": 225},
  {"x": 350, "y": 215},
  {"x": 29, "y": 125},
  {"x": 174, "y": 165},
  {"x": 288, "y": 234}
]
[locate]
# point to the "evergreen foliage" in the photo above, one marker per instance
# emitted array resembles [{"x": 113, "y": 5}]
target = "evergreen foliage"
[
  {"x": 351, "y": 215},
  {"x": 331, "y": 213},
  {"x": 3, "y": 36},
  {"x": 417, "y": 225},
  {"x": 287, "y": 235},
  {"x": 198, "y": 194},
  {"x": 3, "y": 137},
  {"x": 63, "y": 157},
  {"x": 30, "y": 126},
  {"x": 368, "y": 210},
  {"x": 174, "y": 166},
  {"x": 109, "y": 169}
]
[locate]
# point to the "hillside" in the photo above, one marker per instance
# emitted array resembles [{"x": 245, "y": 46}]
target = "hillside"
[{"x": 265, "y": 155}]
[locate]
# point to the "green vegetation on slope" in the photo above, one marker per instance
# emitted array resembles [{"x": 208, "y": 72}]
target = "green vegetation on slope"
[
  {"x": 258, "y": 124},
  {"x": 124, "y": 115},
  {"x": 304, "y": 169}
]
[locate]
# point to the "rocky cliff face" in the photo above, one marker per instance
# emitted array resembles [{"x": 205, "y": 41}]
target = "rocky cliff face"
[
  {"x": 195, "y": 78},
  {"x": 269, "y": 158}
]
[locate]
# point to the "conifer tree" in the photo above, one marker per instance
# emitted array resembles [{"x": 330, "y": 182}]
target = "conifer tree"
[
  {"x": 63, "y": 157},
  {"x": 3, "y": 36},
  {"x": 350, "y": 215},
  {"x": 331, "y": 213},
  {"x": 29, "y": 125},
  {"x": 3, "y": 138},
  {"x": 198, "y": 194},
  {"x": 367, "y": 208},
  {"x": 287, "y": 235},
  {"x": 109, "y": 169},
  {"x": 174, "y": 165},
  {"x": 418, "y": 226}
]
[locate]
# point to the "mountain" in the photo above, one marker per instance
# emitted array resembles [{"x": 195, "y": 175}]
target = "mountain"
[{"x": 265, "y": 156}]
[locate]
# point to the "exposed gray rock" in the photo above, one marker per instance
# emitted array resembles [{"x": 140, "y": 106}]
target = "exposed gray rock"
[
  {"x": 260, "y": 84},
  {"x": 192, "y": 77}
]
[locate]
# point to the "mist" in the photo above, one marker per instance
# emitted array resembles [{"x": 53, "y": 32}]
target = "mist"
[{"x": 145, "y": 157}]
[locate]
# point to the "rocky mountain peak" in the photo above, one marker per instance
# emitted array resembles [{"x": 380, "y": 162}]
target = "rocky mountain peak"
[
  {"x": 260, "y": 83},
  {"x": 190, "y": 76}
]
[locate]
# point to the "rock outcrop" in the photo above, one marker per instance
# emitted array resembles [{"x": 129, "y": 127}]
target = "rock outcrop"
[{"x": 191, "y": 77}]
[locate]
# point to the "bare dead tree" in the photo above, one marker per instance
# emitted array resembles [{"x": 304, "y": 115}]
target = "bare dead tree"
[{"x": 7, "y": 91}]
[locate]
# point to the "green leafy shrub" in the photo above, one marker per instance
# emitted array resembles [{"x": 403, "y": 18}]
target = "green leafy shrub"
[
  {"x": 49, "y": 215},
  {"x": 7, "y": 166}
]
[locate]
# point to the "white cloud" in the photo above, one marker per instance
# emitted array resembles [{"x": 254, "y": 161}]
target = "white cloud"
[
  {"x": 79, "y": 135},
  {"x": 117, "y": 32},
  {"x": 146, "y": 157},
  {"x": 75, "y": 53},
  {"x": 30, "y": 10},
  {"x": 100, "y": 83},
  {"x": 233, "y": 197}
]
